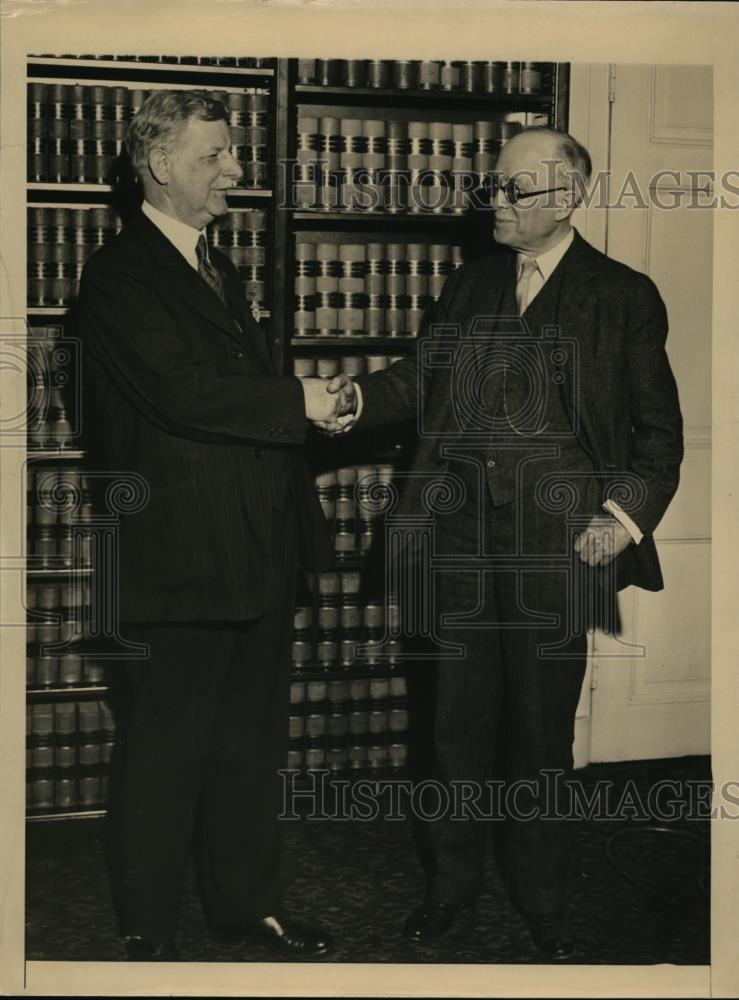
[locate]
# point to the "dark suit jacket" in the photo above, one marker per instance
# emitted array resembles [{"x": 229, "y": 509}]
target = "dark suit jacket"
[
  {"x": 627, "y": 414},
  {"x": 176, "y": 393}
]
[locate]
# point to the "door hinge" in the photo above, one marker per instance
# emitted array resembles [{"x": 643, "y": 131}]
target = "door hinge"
[
  {"x": 593, "y": 675},
  {"x": 611, "y": 83}
]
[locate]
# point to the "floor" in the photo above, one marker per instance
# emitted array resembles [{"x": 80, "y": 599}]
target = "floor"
[{"x": 361, "y": 878}]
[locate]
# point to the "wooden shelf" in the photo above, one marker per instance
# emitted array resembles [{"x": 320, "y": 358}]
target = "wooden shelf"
[
  {"x": 336, "y": 672},
  {"x": 66, "y": 693},
  {"x": 37, "y": 574},
  {"x": 47, "y": 310},
  {"x": 317, "y": 216},
  {"x": 74, "y": 813},
  {"x": 381, "y": 343},
  {"x": 53, "y": 189},
  {"x": 54, "y": 454},
  {"x": 140, "y": 66},
  {"x": 437, "y": 99}
]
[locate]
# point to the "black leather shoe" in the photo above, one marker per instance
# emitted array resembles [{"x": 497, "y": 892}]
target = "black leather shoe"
[
  {"x": 431, "y": 920},
  {"x": 140, "y": 950},
  {"x": 552, "y": 935},
  {"x": 280, "y": 934}
]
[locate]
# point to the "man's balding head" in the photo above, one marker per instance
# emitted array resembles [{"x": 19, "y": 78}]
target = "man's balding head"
[{"x": 555, "y": 166}]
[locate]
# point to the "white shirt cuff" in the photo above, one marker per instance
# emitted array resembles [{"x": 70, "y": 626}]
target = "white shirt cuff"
[
  {"x": 360, "y": 401},
  {"x": 613, "y": 508}
]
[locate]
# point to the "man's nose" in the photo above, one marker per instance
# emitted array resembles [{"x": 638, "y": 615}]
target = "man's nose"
[
  {"x": 232, "y": 169},
  {"x": 498, "y": 198}
]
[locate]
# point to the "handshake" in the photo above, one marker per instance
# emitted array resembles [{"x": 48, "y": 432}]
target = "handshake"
[{"x": 330, "y": 404}]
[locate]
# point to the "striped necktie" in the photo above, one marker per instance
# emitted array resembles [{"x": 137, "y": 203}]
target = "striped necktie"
[
  {"x": 210, "y": 275},
  {"x": 526, "y": 271}
]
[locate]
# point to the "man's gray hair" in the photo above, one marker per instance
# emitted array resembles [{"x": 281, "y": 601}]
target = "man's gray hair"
[
  {"x": 163, "y": 117},
  {"x": 574, "y": 156}
]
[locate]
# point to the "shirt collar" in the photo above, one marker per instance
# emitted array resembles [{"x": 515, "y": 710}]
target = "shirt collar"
[
  {"x": 548, "y": 260},
  {"x": 183, "y": 237}
]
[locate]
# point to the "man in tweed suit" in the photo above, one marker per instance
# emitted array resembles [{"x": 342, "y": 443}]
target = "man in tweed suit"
[
  {"x": 181, "y": 390},
  {"x": 544, "y": 395}
]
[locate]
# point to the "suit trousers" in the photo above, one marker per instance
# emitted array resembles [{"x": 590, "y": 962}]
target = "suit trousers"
[
  {"x": 207, "y": 733},
  {"x": 506, "y": 707}
]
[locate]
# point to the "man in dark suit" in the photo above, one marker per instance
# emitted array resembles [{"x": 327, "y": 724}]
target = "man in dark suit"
[
  {"x": 546, "y": 401},
  {"x": 181, "y": 390}
]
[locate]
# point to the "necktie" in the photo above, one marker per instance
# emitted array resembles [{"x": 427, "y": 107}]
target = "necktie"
[
  {"x": 210, "y": 275},
  {"x": 527, "y": 269}
]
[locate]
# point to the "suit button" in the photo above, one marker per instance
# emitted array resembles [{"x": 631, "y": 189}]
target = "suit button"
[
  {"x": 237, "y": 354},
  {"x": 491, "y": 464},
  {"x": 258, "y": 452}
]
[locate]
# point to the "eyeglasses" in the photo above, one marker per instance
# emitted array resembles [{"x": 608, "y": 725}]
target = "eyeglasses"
[{"x": 513, "y": 192}]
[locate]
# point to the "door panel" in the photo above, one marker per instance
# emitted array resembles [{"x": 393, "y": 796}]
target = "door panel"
[{"x": 657, "y": 704}]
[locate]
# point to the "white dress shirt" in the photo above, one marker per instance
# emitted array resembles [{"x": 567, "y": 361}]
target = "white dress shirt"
[
  {"x": 183, "y": 237},
  {"x": 546, "y": 263}
]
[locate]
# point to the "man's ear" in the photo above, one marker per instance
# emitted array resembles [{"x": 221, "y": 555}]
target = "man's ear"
[
  {"x": 159, "y": 165},
  {"x": 567, "y": 203}
]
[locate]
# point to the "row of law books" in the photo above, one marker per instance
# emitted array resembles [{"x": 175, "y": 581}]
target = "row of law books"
[
  {"x": 48, "y": 791},
  {"x": 368, "y": 289},
  {"x": 76, "y": 132},
  {"x": 354, "y": 760},
  {"x": 341, "y": 629},
  {"x": 59, "y": 513},
  {"x": 76, "y": 102},
  {"x": 353, "y": 365},
  {"x": 389, "y": 165},
  {"x": 349, "y": 723},
  {"x": 50, "y": 427},
  {"x": 248, "y": 62},
  {"x": 67, "y": 669},
  {"x": 469, "y": 76},
  {"x": 87, "y": 787},
  {"x": 243, "y": 236},
  {"x": 69, "y": 723},
  {"x": 60, "y": 546},
  {"x": 69, "y": 749},
  {"x": 62, "y": 239},
  {"x": 352, "y": 747},
  {"x": 55, "y": 618},
  {"x": 352, "y": 499},
  {"x": 58, "y": 494}
]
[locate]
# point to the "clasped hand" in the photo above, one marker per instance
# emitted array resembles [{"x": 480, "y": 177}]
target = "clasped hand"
[
  {"x": 602, "y": 540},
  {"x": 330, "y": 403}
]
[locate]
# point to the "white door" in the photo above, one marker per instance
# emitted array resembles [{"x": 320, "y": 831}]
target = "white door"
[{"x": 651, "y": 699}]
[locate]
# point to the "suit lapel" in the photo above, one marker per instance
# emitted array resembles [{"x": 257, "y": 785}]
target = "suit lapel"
[
  {"x": 486, "y": 302},
  {"x": 189, "y": 287},
  {"x": 478, "y": 315},
  {"x": 577, "y": 321},
  {"x": 252, "y": 334}
]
